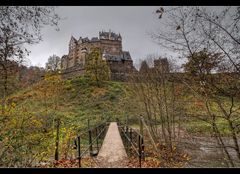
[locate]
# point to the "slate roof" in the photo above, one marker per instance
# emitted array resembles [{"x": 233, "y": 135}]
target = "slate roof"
[
  {"x": 113, "y": 35},
  {"x": 94, "y": 39},
  {"x": 102, "y": 35},
  {"x": 121, "y": 57},
  {"x": 85, "y": 39},
  {"x": 126, "y": 55}
]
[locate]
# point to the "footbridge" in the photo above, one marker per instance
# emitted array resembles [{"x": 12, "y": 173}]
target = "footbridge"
[{"x": 118, "y": 144}]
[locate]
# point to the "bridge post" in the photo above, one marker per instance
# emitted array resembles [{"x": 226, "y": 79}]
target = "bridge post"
[
  {"x": 130, "y": 132},
  {"x": 139, "y": 151},
  {"x": 79, "y": 151},
  {"x": 90, "y": 141},
  {"x": 127, "y": 142},
  {"x": 142, "y": 148},
  {"x": 141, "y": 125},
  {"x": 141, "y": 132}
]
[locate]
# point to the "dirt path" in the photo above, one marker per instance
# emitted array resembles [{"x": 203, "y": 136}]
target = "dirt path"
[{"x": 112, "y": 153}]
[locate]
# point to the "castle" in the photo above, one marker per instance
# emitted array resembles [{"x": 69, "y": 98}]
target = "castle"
[{"x": 110, "y": 45}]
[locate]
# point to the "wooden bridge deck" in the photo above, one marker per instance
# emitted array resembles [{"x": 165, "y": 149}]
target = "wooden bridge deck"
[{"x": 112, "y": 153}]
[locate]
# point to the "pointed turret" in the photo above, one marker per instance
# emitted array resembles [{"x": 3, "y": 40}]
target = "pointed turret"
[{"x": 72, "y": 42}]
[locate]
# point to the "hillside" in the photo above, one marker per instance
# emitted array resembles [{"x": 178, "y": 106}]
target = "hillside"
[
  {"x": 73, "y": 102},
  {"x": 33, "y": 115}
]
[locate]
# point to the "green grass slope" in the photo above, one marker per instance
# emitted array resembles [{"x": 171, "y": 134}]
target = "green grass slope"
[{"x": 78, "y": 101}]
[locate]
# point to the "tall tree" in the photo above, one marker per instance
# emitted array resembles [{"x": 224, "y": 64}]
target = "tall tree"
[
  {"x": 97, "y": 68},
  {"x": 53, "y": 63},
  {"x": 20, "y": 25},
  {"x": 191, "y": 29}
]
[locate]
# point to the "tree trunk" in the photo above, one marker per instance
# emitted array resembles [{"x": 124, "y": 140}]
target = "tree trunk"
[{"x": 4, "y": 89}]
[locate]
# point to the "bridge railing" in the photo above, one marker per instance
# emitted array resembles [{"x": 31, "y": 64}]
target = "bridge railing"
[
  {"x": 133, "y": 142},
  {"x": 93, "y": 137}
]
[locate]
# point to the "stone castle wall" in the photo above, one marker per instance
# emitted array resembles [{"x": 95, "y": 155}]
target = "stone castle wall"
[
  {"x": 109, "y": 43},
  {"x": 73, "y": 72},
  {"x": 121, "y": 66}
]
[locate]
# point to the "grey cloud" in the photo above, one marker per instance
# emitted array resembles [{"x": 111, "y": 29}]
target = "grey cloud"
[{"x": 132, "y": 22}]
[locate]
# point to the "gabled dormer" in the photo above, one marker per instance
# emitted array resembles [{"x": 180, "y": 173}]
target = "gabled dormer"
[
  {"x": 72, "y": 43},
  {"x": 119, "y": 37}
]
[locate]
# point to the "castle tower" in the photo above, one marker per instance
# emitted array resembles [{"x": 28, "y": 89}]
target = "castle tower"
[
  {"x": 72, "y": 52},
  {"x": 84, "y": 52},
  {"x": 162, "y": 64}
]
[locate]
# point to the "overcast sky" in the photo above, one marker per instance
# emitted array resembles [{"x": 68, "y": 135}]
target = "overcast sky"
[{"x": 133, "y": 23}]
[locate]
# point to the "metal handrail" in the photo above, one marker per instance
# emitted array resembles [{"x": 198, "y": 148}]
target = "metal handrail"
[
  {"x": 91, "y": 142},
  {"x": 129, "y": 140},
  {"x": 94, "y": 127},
  {"x": 140, "y": 144}
]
